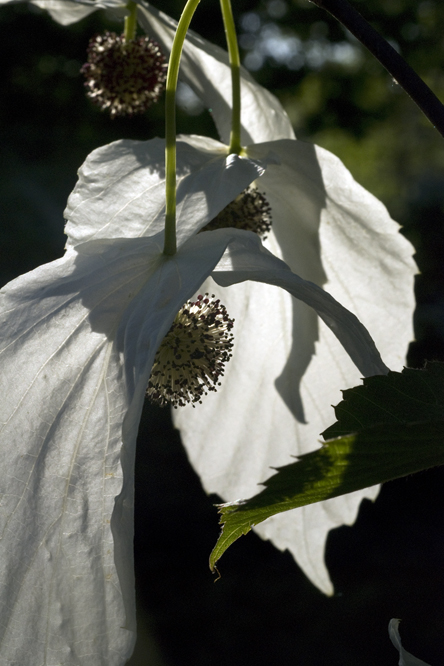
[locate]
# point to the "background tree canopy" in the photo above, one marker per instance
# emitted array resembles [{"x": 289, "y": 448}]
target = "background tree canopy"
[{"x": 390, "y": 563}]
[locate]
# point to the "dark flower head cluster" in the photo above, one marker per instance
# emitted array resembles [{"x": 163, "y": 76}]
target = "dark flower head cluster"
[
  {"x": 192, "y": 356},
  {"x": 250, "y": 210},
  {"x": 124, "y": 77}
]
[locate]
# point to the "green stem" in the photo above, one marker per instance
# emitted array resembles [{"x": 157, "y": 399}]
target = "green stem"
[
  {"x": 233, "y": 53},
  {"x": 130, "y": 21},
  {"x": 170, "y": 126}
]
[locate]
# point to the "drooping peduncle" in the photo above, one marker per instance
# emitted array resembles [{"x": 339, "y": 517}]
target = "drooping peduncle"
[
  {"x": 233, "y": 53},
  {"x": 170, "y": 127}
]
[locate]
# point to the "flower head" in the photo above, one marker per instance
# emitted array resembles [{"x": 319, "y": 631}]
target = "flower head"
[
  {"x": 191, "y": 358},
  {"x": 250, "y": 210},
  {"x": 124, "y": 77}
]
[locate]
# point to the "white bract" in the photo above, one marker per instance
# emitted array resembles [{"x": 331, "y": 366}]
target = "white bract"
[
  {"x": 287, "y": 367},
  {"x": 77, "y": 342},
  {"x": 405, "y": 658}
]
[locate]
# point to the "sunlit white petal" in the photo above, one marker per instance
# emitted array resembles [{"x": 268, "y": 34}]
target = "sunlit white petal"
[
  {"x": 121, "y": 188},
  {"x": 78, "y": 338},
  {"x": 66, "y": 12},
  {"x": 287, "y": 368}
]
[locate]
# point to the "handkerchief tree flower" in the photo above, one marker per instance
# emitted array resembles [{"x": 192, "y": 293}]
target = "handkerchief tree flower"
[
  {"x": 330, "y": 231},
  {"x": 79, "y": 338}
]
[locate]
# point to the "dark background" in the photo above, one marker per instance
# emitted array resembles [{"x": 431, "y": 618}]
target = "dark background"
[{"x": 263, "y": 612}]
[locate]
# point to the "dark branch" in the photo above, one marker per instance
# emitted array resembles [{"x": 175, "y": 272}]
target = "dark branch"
[{"x": 401, "y": 72}]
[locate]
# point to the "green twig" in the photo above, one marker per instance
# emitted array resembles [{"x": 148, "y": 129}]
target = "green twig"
[
  {"x": 233, "y": 52},
  {"x": 170, "y": 126},
  {"x": 130, "y": 21}
]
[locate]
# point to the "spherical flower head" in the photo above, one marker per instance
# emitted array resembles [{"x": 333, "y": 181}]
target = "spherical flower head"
[
  {"x": 250, "y": 210},
  {"x": 192, "y": 356},
  {"x": 125, "y": 77}
]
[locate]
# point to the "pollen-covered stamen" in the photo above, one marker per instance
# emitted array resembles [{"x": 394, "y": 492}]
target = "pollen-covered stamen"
[
  {"x": 250, "y": 210},
  {"x": 191, "y": 358},
  {"x": 125, "y": 77}
]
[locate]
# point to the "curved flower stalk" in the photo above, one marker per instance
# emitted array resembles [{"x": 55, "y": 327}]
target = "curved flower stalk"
[
  {"x": 77, "y": 341},
  {"x": 287, "y": 368}
]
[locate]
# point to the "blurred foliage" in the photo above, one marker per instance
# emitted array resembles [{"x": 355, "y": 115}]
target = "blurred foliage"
[{"x": 338, "y": 96}]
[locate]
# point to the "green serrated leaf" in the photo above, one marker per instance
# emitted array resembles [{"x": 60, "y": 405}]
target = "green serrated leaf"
[
  {"x": 341, "y": 466},
  {"x": 400, "y": 422},
  {"x": 399, "y": 397}
]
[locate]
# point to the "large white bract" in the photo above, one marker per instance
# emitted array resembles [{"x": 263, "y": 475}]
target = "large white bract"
[{"x": 77, "y": 342}]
